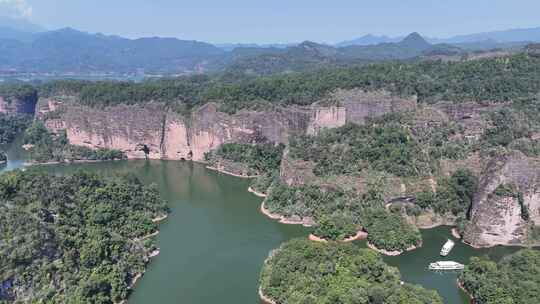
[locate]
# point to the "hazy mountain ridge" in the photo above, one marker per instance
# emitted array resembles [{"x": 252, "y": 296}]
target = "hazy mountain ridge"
[
  {"x": 75, "y": 51},
  {"x": 311, "y": 55},
  {"x": 499, "y": 37},
  {"x": 24, "y": 48}
]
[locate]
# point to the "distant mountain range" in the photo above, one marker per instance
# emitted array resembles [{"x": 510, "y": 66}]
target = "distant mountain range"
[
  {"x": 310, "y": 55},
  {"x": 69, "y": 50},
  {"x": 369, "y": 40},
  {"x": 26, "y": 48},
  {"x": 496, "y": 37}
]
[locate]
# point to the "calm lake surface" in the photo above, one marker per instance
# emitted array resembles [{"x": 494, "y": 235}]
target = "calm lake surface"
[{"x": 215, "y": 240}]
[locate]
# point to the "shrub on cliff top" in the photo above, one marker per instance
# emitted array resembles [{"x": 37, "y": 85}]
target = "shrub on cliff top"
[
  {"x": 12, "y": 92},
  {"x": 494, "y": 79}
]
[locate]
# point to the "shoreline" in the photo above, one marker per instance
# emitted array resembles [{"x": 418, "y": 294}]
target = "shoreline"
[
  {"x": 264, "y": 298},
  {"x": 360, "y": 235},
  {"x": 79, "y": 161},
  {"x": 282, "y": 219},
  {"x": 460, "y": 286},
  {"x": 537, "y": 245},
  {"x": 395, "y": 252},
  {"x": 230, "y": 173},
  {"x": 154, "y": 253},
  {"x": 455, "y": 233},
  {"x": 160, "y": 218},
  {"x": 259, "y": 194},
  {"x": 435, "y": 225},
  {"x": 147, "y": 236}
]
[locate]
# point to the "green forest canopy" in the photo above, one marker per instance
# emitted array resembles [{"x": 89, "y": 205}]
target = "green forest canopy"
[
  {"x": 11, "y": 126},
  {"x": 301, "y": 271},
  {"x": 495, "y": 79},
  {"x": 513, "y": 280},
  {"x": 73, "y": 239}
]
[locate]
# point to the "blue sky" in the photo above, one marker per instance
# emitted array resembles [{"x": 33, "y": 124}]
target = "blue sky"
[{"x": 273, "y": 21}]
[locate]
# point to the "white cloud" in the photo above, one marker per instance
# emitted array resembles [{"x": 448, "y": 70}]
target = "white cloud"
[{"x": 15, "y": 8}]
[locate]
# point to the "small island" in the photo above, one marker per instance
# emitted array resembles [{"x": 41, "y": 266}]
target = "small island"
[{"x": 301, "y": 271}]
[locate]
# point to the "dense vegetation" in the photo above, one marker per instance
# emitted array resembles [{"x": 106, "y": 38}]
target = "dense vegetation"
[
  {"x": 308, "y": 272},
  {"x": 389, "y": 231},
  {"x": 513, "y": 280},
  {"x": 496, "y": 79},
  {"x": 260, "y": 158},
  {"x": 49, "y": 147},
  {"x": 353, "y": 148},
  {"x": 513, "y": 126},
  {"x": 453, "y": 196},
  {"x": 339, "y": 214},
  {"x": 11, "y": 126},
  {"x": 11, "y": 92},
  {"x": 73, "y": 239}
]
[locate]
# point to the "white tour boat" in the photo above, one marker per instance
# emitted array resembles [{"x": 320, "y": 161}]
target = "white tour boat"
[
  {"x": 446, "y": 265},
  {"x": 447, "y": 247}
]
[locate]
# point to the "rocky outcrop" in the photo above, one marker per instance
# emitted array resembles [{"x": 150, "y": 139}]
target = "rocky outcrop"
[
  {"x": 470, "y": 115},
  {"x": 153, "y": 131},
  {"x": 18, "y": 104},
  {"x": 295, "y": 172},
  {"x": 356, "y": 106},
  {"x": 361, "y": 105},
  {"x": 499, "y": 220}
]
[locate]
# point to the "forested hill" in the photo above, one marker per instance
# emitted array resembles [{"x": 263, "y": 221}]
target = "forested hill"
[
  {"x": 493, "y": 79},
  {"x": 72, "y": 52},
  {"x": 69, "y": 50},
  {"x": 80, "y": 238}
]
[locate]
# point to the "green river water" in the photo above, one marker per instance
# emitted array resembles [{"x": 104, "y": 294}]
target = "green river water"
[{"x": 215, "y": 240}]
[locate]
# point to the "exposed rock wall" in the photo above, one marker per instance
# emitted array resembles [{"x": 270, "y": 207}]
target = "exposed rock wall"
[
  {"x": 469, "y": 115},
  {"x": 165, "y": 134},
  {"x": 362, "y": 105},
  {"x": 498, "y": 220},
  {"x": 169, "y": 135},
  {"x": 356, "y": 106}
]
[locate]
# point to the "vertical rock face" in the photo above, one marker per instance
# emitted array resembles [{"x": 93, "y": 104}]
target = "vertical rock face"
[
  {"x": 327, "y": 117},
  {"x": 18, "y": 105},
  {"x": 165, "y": 134},
  {"x": 356, "y": 106},
  {"x": 161, "y": 133},
  {"x": 499, "y": 220},
  {"x": 131, "y": 129},
  {"x": 361, "y": 105},
  {"x": 468, "y": 114}
]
